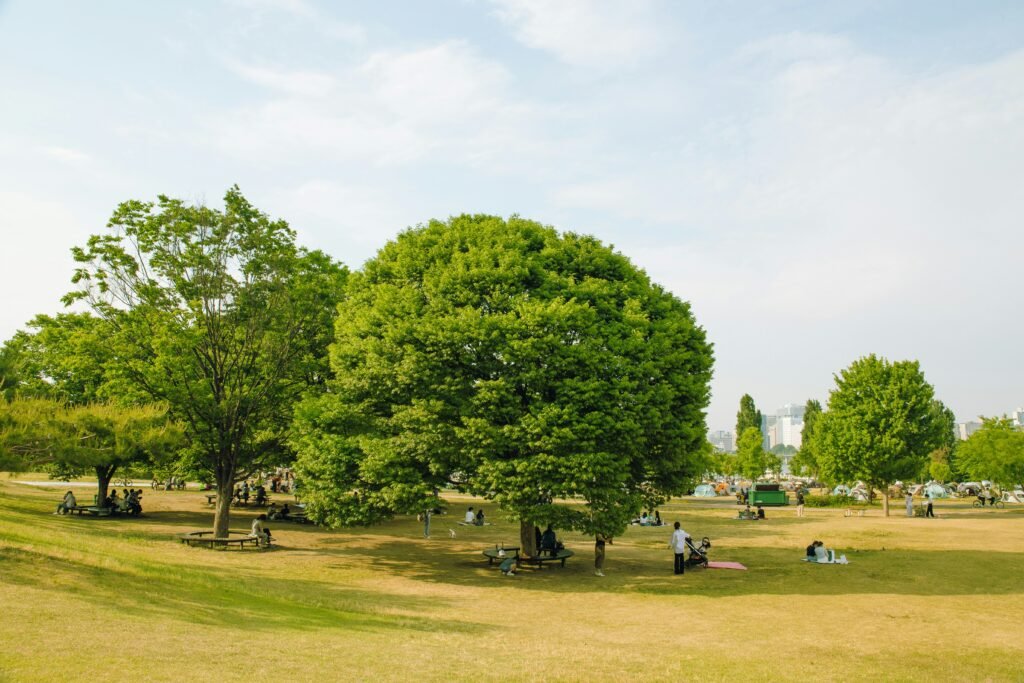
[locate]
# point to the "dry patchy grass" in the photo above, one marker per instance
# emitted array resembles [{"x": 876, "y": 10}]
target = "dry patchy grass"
[{"x": 922, "y": 599}]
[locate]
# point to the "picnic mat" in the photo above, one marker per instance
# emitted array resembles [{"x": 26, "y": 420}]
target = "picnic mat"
[{"x": 726, "y": 565}]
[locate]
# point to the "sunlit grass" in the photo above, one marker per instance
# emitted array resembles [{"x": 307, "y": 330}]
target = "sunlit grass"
[{"x": 922, "y": 599}]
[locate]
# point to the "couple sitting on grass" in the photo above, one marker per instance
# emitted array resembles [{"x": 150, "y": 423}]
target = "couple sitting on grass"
[{"x": 818, "y": 553}]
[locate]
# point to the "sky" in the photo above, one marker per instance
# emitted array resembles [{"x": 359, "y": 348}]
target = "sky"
[{"x": 820, "y": 180}]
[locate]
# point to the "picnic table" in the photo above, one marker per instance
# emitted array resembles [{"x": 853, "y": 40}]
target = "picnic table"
[
  {"x": 539, "y": 560},
  {"x": 492, "y": 555},
  {"x": 211, "y": 498},
  {"x": 206, "y": 538}
]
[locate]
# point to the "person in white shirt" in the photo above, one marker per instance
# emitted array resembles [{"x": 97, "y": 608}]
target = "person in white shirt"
[
  {"x": 65, "y": 505},
  {"x": 470, "y": 516},
  {"x": 261, "y": 534},
  {"x": 678, "y": 545}
]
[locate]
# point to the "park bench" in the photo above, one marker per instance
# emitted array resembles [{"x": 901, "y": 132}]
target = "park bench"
[
  {"x": 94, "y": 510},
  {"x": 545, "y": 556},
  {"x": 539, "y": 561},
  {"x": 206, "y": 538}
]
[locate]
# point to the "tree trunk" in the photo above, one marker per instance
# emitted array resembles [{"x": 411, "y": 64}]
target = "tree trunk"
[
  {"x": 527, "y": 539},
  {"x": 885, "y": 502},
  {"x": 225, "y": 493},
  {"x": 104, "y": 473}
]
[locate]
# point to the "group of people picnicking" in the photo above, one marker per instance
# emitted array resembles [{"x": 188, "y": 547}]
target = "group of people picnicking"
[
  {"x": 644, "y": 519},
  {"x": 129, "y": 503},
  {"x": 817, "y": 552},
  {"x": 747, "y": 513}
]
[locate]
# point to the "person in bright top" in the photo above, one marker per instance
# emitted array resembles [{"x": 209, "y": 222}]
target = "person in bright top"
[
  {"x": 470, "y": 516},
  {"x": 678, "y": 546}
]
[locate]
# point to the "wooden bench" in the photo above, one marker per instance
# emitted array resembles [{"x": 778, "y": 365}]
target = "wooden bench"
[
  {"x": 546, "y": 556},
  {"x": 94, "y": 510},
  {"x": 206, "y": 538}
]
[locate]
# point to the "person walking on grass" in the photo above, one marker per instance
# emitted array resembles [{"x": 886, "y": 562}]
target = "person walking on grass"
[
  {"x": 910, "y": 504},
  {"x": 599, "y": 541},
  {"x": 799, "y": 502},
  {"x": 678, "y": 545},
  {"x": 929, "y": 512}
]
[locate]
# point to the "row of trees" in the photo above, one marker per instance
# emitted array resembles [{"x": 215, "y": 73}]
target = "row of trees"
[
  {"x": 539, "y": 370},
  {"x": 883, "y": 424}
]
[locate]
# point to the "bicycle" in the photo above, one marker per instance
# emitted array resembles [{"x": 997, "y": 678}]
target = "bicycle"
[
  {"x": 996, "y": 504},
  {"x": 124, "y": 482}
]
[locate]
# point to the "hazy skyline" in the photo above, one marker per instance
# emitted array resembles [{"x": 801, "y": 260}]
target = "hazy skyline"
[{"x": 819, "y": 180}]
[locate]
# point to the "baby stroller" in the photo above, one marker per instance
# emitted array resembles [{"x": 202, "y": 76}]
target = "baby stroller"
[{"x": 698, "y": 553}]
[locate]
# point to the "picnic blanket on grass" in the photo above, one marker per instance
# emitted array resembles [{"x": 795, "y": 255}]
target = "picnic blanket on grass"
[{"x": 726, "y": 565}]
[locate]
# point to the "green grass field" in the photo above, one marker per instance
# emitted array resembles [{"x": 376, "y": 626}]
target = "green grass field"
[{"x": 87, "y": 598}]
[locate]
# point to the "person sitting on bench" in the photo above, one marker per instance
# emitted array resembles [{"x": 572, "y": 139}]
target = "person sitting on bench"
[
  {"x": 548, "y": 541},
  {"x": 259, "y": 532},
  {"x": 261, "y": 495},
  {"x": 67, "y": 504}
]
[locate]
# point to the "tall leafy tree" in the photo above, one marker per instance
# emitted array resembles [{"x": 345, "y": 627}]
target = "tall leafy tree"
[
  {"x": 806, "y": 461},
  {"x": 994, "y": 452},
  {"x": 752, "y": 460},
  {"x": 217, "y": 314},
  {"x": 517, "y": 363},
  {"x": 882, "y": 423},
  {"x": 747, "y": 417}
]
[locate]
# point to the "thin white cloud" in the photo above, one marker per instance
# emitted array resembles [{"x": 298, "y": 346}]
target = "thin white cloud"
[
  {"x": 394, "y": 107},
  {"x": 295, "y": 82},
  {"x": 67, "y": 155},
  {"x": 602, "y": 33}
]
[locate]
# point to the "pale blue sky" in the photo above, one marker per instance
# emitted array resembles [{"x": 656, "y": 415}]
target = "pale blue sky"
[{"x": 820, "y": 180}]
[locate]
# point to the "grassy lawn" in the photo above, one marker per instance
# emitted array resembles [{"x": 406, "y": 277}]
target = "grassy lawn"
[{"x": 84, "y": 598}]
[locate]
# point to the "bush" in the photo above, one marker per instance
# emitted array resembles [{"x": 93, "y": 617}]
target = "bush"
[{"x": 831, "y": 501}]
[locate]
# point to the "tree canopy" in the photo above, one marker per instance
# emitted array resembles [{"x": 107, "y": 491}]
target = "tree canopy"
[
  {"x": 882, "y": 423},
  {"x": 218, "y": 315},
  {"x": 516, "y": 363},
  {"x": 995, "y": 452},
  {"x": 66, "y": 358},
  {"x": 747, "y": 417},
  {"x": 752, "y": 460},
  {"x": 42, "y": 433},
  {"x": 806, "y": 460}
]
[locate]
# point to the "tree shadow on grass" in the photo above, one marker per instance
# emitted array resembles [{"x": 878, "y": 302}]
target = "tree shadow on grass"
[
  {"x": 230, "y": 598},
  {"x": 769, "y": 572}
]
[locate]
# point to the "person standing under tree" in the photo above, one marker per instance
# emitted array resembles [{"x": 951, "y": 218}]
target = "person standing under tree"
[
  {"x": 678, "y": 545},
  {"x": 599, "y": 541}
]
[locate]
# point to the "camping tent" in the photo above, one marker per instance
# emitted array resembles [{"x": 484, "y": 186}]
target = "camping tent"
[{"x": 705, "y": 491}]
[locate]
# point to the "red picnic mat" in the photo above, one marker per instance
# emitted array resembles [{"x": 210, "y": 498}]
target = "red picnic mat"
[{"x": 726, "y": 565}]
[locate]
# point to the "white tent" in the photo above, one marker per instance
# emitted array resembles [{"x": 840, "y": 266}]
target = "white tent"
[{"x": 705, "y": 491}]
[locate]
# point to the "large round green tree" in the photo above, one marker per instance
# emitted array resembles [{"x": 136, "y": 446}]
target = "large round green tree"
[
  {"x": 540, "y": 370},
  {"x": 882, "y": 423}
]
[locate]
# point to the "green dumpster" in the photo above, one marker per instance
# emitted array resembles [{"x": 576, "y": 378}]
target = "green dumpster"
[{"x": 767, "y": 495}]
